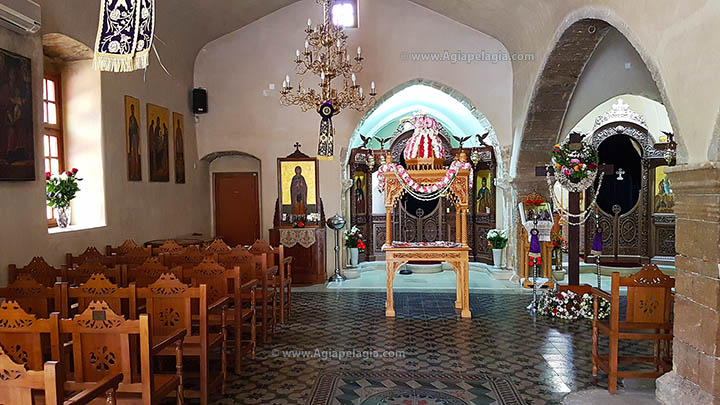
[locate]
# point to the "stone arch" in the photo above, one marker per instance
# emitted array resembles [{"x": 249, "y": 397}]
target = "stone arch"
[
  {"x": 575, "y": 42},
  {"x": 210, "y": 157},
  {"x": 60, "y": 47}
]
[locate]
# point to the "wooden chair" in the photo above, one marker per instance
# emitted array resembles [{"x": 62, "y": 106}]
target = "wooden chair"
[
  {"x": 82, "y": 273},
  {"x": 255, "y": 267},
  {"x": 39, "y": 270},
  {"x": 276, "y": 257},
  {"x": 648, "y": 318},
  {"x": 33, "y": 297},
  {"x": 90, "y": 255},
  {"x": 190, "y": 257},
  {"x": 101, "y": 345},
  {"x": 121, "y": 250},
  {"x": 20, "y": 386},
  {"x": 134, "y": 256},
  {"x": 24, "y": 336},
  {"x": 169, "y": 247},
  {"x": 122, "y": 300},
  {"x": 218, "y": 246},
  {"x": 170, "y": 305},
  {"x": 148, "y": 272},
  {"x": 222, "y": 283}
]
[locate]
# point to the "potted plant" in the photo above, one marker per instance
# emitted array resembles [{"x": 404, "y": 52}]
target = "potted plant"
[
  {"x": 497, "y": 240},
  {"x": 60, "y": 191},
  {"x": 354, "y": 242}
]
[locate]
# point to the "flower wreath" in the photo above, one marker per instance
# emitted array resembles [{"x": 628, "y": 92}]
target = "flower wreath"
[
  {"x": 569, "y": 305},
  {"x": 575, "y": 170}
]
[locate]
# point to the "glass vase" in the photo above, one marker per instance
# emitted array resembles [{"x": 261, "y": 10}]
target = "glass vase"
[{"x": 64, "y": 216}]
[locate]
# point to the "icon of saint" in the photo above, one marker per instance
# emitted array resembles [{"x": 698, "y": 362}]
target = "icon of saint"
[{"x": 298, "y": 193}]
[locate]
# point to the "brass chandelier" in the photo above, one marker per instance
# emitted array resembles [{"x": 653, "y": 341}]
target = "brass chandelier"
[{"x": 326, "y": 55}]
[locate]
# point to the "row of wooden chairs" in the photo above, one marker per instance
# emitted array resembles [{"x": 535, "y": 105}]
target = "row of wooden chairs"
[
  {"x": 124, "y": 261},
  {"x": 177, "y": 255},
  {"x": 101, "y": 344},
  {"x": 238, "y": 281},
  {"x": 195, "y": 317}
]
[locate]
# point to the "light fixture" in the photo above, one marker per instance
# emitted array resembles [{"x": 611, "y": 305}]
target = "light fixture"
[{"x": 326, "y": 55}]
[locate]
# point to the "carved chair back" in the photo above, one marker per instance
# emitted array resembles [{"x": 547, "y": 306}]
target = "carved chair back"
[
  {"x": 33, "y": 297},
  {"x": 18, "y": 383},
  {"x": 39, "y": 270},
  {"x": 82, "y": 273},
  {"x": 121, "y": 250},
  {"x": 220, "y": 282},
  {"x": 169, "y": 247},
  {"x": 101, "y": 346},
  {"x": 90, "y": 255},
  {"x": 218, "y": 246},
  {"x": 23, "y": 336},
  {"x": 251, "y": 266},
  {"x": 121, "y": 300},
  {"x": 134, "y": 256},
  {"x": 649, "y": 295},
  {"x": 275, "y": 255},
  {"x": 169, "y": 304},
  {"x": 148, "y": 272},
  {"x": 190, "y": 257}
]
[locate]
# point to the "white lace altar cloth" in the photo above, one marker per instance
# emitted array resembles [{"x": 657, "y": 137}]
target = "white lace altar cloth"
[
  {"x": 543, "y": 227},
  {"x": 304, "y": 237}
]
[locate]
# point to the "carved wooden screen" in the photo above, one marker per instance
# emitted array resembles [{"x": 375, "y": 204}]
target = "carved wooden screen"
[
  {"x": 419, "y": 223},
  {"x": 633, "y": 234}
]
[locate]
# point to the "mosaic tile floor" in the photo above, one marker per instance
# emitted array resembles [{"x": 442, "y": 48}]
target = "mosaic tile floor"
[{"x": 545, "y": 358}]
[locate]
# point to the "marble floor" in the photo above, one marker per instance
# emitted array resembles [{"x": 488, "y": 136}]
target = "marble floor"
[
  {"x": 370, "y": 276},
  {"x": 544, "y": 359}
]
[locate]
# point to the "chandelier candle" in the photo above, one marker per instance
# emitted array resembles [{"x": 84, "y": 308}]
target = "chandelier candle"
[{"x": 326, "y": 55}]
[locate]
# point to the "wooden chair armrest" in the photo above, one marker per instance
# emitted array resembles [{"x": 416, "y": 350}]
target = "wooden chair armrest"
[
  {"x": 177, "y": 336},
  {"x": 250, "y": 284},
  {"x": 272, "y": 271},
  {"x": 98, "y": 391},
  {"x": 221, "y": 303},
  {"x": 596, "y": 292}
]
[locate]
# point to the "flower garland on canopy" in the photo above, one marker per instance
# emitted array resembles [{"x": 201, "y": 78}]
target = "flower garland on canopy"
[
  {"x": 424, "y": 192},
  {"x": 425, "y": 142}
]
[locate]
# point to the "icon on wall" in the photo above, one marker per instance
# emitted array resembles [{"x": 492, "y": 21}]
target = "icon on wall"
[{"x": 158, "y": 142}]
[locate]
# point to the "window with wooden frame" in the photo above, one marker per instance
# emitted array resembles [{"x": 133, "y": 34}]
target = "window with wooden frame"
[{"x": 52, "y": 132}]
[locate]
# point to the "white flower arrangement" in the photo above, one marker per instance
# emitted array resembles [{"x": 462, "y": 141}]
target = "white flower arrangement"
[
  {"x": 497, "y": 238},
  {"x": 569, "y": 305}
]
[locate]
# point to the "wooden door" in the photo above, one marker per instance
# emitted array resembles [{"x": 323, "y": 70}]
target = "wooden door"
[{"x": 237, "y": 208}]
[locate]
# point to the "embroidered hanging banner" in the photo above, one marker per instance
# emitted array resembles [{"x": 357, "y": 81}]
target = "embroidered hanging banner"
[
  {"x": 326, "y": 143},
  {"x": 125, "y": 34}
]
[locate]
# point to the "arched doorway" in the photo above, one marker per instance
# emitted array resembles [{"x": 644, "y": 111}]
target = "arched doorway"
[{"x": 236, "y": 196}]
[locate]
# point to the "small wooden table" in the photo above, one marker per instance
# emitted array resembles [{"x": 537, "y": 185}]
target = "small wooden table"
[{"x": 395, "y": 257}]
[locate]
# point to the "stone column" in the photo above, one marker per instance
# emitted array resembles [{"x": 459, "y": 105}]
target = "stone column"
[{"x": 695, "y": 378}]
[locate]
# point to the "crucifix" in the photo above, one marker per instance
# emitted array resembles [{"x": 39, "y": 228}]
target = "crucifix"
[
  {"x": 573, "y": 209},
  {"x": 297, "y": 146},
  {"x": 620, "y": 173}
]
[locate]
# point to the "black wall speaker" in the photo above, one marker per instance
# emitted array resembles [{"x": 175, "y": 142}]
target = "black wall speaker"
[{"x": 200, "y": 101}]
